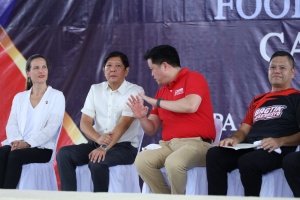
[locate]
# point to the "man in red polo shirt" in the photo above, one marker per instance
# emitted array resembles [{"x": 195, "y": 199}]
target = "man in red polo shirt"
[{"x": 183, "y": 107}]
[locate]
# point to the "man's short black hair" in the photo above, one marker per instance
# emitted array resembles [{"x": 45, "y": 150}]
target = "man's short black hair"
[
  {"x": 163, "y": 53},
  {"x": 119, "y": 54},
  {"x": 284, "y": 53}
]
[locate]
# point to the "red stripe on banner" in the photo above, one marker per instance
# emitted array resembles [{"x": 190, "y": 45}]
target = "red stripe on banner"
[{"x": 12, "y": 82}]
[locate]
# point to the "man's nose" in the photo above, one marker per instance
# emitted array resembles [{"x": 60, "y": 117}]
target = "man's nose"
[
  {"x": 277, "y": 70},
  {"x": 113, "y": 68}
]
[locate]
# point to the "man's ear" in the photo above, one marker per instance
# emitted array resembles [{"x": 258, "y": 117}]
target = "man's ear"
[
  {"x": 127, "y": 70},
  {"x": 165, "y": 65}
]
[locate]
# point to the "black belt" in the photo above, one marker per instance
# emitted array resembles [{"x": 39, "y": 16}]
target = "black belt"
[{"x": 207, "y": 140}]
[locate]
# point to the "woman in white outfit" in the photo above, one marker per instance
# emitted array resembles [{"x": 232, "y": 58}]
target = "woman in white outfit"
[{"x": 33, "y": 125}]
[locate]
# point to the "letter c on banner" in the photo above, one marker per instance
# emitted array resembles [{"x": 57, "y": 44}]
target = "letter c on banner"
[{"x": 263, "y": 44}]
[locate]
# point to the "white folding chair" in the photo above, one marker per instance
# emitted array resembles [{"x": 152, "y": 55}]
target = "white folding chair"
[
  {"x": 273, "y": 184},
  {"x": 122, "y": 178},
  {"x": 196, "y": 177},
  {"x": 218, "y": 126},
  {"x": 39, "y": 176}
]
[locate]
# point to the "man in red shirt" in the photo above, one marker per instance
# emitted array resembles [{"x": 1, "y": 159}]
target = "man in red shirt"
[{"x": 183, "y": 108}]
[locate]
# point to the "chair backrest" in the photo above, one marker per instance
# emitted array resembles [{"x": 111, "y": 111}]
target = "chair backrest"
[
  {"x": 55, "y": 146},
  {"x": 140, "y": 137},
  {"x": 218, "y": 125}
]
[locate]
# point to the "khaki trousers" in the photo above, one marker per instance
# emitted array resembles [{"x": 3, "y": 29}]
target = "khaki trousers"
[{"x": 177, "y": 156}]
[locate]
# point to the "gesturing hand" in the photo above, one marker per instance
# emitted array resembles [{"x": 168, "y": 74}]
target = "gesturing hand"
[{"x": 137, "y": 107}]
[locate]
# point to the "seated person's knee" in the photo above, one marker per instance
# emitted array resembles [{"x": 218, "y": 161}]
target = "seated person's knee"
[
  {"x": 140, "y": 161},
  {"x": 173, "y": 166},
  {"x": 212, "y": 155},
  {"x": 62, "y": 153}
]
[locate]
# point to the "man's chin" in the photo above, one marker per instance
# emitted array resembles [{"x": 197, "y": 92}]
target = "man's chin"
[{"x": 159, "y": 83}]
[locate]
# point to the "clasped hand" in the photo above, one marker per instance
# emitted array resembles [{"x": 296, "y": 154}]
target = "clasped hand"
[
  {"x": 19, "y": 144},
  {"x": 99, "y": 154},
  {"x": 105, "y": 139}
]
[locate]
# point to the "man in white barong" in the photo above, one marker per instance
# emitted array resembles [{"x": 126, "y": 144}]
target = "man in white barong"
[{"x": 108, "y": 123}]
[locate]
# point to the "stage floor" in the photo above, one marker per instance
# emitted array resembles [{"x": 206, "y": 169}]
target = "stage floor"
[{"x": 58, "y": 195}]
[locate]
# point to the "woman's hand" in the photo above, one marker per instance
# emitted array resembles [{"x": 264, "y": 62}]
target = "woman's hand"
[{"x": 18, "y": 144}]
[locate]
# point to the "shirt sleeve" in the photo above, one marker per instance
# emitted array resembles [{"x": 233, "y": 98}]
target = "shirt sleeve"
[
  {"x": 89, "y": 104},
  {"x": 249, "y": 115},
  {"x": 196, "y": 84},
  {"x": 12, "y": 128}
]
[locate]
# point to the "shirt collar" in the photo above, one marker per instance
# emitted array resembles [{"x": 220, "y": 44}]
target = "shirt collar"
[
  {"x": 121, "y": 89},
  {"x": 181, "y": 73}
]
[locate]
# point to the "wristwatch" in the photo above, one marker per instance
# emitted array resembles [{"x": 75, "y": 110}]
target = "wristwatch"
[
  {"x": 104, "y": 147},
  {"x": 158, "y": 102}
]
